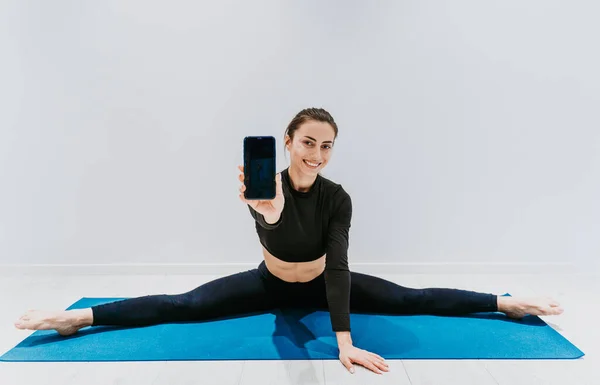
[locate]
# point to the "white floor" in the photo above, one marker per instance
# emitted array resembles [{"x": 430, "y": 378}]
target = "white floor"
[{"x": 576, "y": 292}]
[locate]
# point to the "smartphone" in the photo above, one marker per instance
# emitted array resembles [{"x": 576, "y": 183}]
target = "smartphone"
[{"x": 259, "y": 167}]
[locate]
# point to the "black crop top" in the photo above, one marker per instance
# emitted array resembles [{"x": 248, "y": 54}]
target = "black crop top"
[{"x": 311, "y": 224}]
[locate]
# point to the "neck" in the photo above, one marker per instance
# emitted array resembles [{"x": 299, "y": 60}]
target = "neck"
[{"x": 300, "y": 181}]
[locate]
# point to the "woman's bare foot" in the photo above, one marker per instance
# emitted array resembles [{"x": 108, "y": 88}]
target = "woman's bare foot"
[
  {"x": 64, "y": 322},
  {"x": 519, "y": 307}
]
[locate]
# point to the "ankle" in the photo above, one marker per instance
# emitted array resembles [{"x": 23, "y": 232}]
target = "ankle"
[
  {"x": 81, "y": 317},
  {"x": 505, "y": 303}
]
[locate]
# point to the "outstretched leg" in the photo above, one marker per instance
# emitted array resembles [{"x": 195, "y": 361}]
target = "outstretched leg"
[
  {"x": 239, "y": 293},
  {"x": 372, "y": 294},
  {"x": 234, "y": 294}
]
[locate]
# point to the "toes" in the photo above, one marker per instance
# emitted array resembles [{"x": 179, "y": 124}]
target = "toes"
[{"x": 553, "y": 311}]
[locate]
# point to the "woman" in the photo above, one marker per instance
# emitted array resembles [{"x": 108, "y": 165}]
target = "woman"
[{"x": 304, "y": 233}]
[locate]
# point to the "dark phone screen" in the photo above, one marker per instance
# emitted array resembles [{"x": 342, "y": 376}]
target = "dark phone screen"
[{"x": 259, "y": 167}]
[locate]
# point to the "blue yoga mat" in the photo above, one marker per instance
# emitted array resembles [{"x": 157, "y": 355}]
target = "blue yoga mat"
[{"x": 291, "y": 334}]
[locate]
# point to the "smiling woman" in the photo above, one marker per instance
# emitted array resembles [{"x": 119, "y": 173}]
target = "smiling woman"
[
  {"x": 309, "y": 138},
  {"x": 304, "y": 232}
]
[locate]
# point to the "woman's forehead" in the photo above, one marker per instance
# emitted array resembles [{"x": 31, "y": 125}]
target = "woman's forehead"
[{"x": 319, "y": 131}]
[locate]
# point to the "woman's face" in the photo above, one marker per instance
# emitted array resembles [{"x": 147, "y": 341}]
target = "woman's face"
[{"x": 311, "y": 148}]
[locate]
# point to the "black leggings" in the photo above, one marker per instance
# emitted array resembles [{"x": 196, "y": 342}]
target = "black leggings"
[{"x": 259, "y": 290}]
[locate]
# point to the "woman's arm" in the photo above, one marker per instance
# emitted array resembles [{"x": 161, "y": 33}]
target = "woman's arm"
[
  {"x": 337, "y": 284},
  {"x": 337, "y": 274}
]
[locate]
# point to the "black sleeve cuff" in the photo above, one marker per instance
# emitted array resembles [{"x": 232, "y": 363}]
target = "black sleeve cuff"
[{"x": 260, "y": 219}]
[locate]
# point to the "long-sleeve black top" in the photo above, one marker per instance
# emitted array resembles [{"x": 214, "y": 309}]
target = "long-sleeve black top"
[{"x": 314, "y": 223}]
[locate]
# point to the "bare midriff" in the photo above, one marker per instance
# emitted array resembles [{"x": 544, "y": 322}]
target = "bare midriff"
[{"x": 294, "y": 271}]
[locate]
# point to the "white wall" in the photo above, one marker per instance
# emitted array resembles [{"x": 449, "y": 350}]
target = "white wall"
[{"x": 469, "y": 131}]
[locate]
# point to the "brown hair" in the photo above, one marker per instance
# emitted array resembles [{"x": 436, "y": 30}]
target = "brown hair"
[{"x": 317, "y": 114}]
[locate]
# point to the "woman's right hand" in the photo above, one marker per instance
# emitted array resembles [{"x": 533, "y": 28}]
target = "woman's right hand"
[{"x": 271, "y": 209}]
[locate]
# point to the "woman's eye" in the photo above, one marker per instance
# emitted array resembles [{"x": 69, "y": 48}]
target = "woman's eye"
[{"x": 311, "y": 143}]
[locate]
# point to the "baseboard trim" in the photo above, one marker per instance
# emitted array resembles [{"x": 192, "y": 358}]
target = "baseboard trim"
[{"x": 231, "y": 268}]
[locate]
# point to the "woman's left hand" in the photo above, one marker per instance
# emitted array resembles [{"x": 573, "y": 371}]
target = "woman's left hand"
[{"x": 350, "y": 354}]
